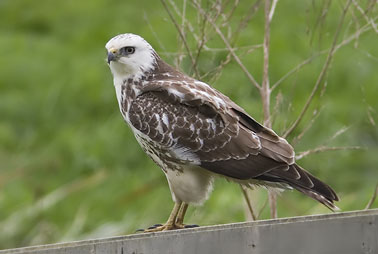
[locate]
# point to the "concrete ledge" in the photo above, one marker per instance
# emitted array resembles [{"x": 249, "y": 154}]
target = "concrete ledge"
[{"x": 347, "y": 233}]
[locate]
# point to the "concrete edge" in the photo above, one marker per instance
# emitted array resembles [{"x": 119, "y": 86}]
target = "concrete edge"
[{"x": 289, "y": 220}]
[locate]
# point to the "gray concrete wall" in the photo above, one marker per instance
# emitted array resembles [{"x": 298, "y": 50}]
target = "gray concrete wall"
[{"x": 340, "y": 233}]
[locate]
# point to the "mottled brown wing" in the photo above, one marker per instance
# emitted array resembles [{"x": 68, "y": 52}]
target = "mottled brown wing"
[
  {"x": 200, "y": 135},
  {"x": 228, "y": 143},
  {"x": 196, "y": 94}
]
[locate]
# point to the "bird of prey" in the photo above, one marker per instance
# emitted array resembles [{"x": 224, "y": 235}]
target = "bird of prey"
[{"x": 195, "y": 133}]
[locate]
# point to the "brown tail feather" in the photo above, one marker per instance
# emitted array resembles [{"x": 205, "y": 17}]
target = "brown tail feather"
[
  {"x": 301, "y": 180},
  {"x": 318, "y": 197}
]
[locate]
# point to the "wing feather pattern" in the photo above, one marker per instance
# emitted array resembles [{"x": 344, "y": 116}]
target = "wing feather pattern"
[{"x": 221, "y": 137}]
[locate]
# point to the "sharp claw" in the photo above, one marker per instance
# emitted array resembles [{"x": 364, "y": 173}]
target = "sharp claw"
[
  {"x": 160, "y": 227},
  {"x": 154, "y": 226},
  {"x": 191, "y": 226}
]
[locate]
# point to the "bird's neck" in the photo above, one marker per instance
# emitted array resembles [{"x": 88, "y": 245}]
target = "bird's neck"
[{"x": 129, "y": 86}]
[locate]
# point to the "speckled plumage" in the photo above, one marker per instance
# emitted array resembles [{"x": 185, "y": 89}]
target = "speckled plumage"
[{"x": 193, "y": 132}]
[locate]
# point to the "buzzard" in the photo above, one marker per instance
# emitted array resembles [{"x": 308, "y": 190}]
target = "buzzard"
[{"x": 194, "y": 132}]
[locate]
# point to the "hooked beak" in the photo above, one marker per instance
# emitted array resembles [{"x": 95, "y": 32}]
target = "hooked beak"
[{"x": 111, "y": 57}]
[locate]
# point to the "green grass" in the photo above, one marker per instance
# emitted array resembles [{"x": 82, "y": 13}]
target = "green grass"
[{"x": 70, "y": 168}]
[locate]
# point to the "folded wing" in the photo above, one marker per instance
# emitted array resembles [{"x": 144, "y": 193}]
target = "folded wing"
[{"x": 223, "y": 139}]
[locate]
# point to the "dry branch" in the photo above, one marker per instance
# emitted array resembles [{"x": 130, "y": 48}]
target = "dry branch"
[
  {"x": 363, "y": 13},
  {"x": 371, "y": 201},
  {"x": 248, "y": 201},
  {"x": 320, "y": 149},
  {"x": 346, "y": 41},
  {"x": 182, "y": 35},
  {"x": 226, "y": 42},
  {"x": 265, "y": 88},
  {"x": 322, "y": 73}
]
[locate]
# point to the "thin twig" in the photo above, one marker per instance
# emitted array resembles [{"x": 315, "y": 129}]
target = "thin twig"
[
  {"x": 368, "y": 20},
  {"x": 187, "y": 22},
  {"x": 231, "y": 13},
  {"x": 215, "y": 72},
  {"x": 320, "y": 149},
  {"x": 322, "y": 73},
  {"x": 248, "y": 201},
  {"x": 321, "y": 18},
  {"x": 316, "y": 114},
  {"x": 225, "y": 41},
  {"x": 371, "y": 201},
  {"x": 277, "y": 106},
  {"x": 249, "y": 49},
  {"x": 265, "y": 88},
  {"x": 338, "y": 133},
  {"x": 346, "y": 41},
  {"x": 295, "y": 69},
  {"x": 272, "y": 9},
  {"x": 244, "y": 21},
  {"x": 358, "y": 26},
  {"x": 181, "y": 35},
  {"x": 363, "y": 29},
  {"x": 272, "y": 198},
  {"x": 369, "y": 111},
  {"x": 265, "y": 91},
  {"x": 262, "y": 208},
  {"x": 202, "y": 42},
  {"x": 180, "y": 57}
]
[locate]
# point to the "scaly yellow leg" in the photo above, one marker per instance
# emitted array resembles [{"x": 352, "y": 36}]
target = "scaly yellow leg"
[
  {"x": 181, "y": 215},
  {"x": 171, "y": 222}
]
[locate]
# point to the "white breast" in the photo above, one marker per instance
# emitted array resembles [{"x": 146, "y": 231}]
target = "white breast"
[{"x": 193, "y": 185}]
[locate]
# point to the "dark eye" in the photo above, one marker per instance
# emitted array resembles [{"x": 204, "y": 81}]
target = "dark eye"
[{"x": 127, "y": 50}]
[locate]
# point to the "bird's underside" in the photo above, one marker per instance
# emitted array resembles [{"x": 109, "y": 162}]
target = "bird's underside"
[{"x": 194, "y": 132}]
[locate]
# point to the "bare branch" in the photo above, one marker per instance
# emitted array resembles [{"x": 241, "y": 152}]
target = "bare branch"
[
  {"x": 346, "y": 41},
  {"x": 262, "y": 209},
  {"x": 231, "y": 13},
  {"x": 272, "y": 9},
  {"x": 217, "y": 70},
  {"x": 181, "y": 35},
  {"x": 248, "y": 48},
  {"x": 322, "y": 73},
  {"x": 294, "y": 70},
  {"x": 371, "y": 201},
  {"x": 244, "y": 21},
  {"x": 272, "y": 197},
  {"x": 183, "y": 21},
  {"x": 219, "y": 32},
  {"x": 187, "y": 22},
  {"x": 201, "y": 44},
  {"x": 298, "y": 138},
  {"x": 368, "y": 20},
  {"x": 277, "y": 105},
  {"x": 357, "y": 23},
  {"x": 248, "y": 201},
  {"x": 338, "y": 133},
  {"x": 265, "y": 88},
  {"x": 370, "y": 117},
  {"x": 324, "y": 149},
  {"x": 265, "y": 91}
]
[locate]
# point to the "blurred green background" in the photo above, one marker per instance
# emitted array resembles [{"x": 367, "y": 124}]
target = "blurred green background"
[{"x": 71, "y": 169}]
